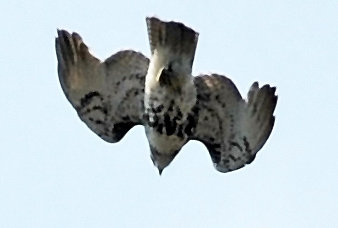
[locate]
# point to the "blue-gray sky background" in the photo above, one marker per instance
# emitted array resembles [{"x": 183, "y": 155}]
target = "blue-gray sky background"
[{"x": 54, "y": 172}]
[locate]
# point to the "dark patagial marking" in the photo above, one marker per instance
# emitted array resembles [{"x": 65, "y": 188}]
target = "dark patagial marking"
[
  {"x": 120, "y": 129},
  {"x": 88, "y": 97}
]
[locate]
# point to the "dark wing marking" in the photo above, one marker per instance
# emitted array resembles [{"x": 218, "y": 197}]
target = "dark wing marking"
[
  {"x": 108, "y": 96},
  {"x": 233, "y": 130}
]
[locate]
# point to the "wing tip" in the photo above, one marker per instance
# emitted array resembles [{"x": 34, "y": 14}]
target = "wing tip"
[{"x": 69, "y": 46}]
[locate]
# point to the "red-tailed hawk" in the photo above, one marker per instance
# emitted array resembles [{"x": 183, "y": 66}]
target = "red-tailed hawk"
[{"x": 162, "y": 95}]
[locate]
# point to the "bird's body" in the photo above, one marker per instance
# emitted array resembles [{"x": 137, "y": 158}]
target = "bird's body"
[
  {"x": 170, "y": 93},
  {"x": 166, "y": 112},
  {"x": 162, "y": 95}
]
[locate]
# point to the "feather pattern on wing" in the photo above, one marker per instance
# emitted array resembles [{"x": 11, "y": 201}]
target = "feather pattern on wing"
[
  {"x": 108, "y": 96},
  {"x": 232, "y": 129}
]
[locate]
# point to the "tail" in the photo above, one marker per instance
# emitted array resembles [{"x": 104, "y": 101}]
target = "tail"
[
  {"x": 260, "y": 119},
  {"x": 179, "y": 39}
]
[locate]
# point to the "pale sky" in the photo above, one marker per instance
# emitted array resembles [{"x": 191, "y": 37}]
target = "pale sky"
[{"x": 55, "y": 172}]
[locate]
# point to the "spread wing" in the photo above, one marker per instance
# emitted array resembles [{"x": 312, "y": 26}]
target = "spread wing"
[
  {"x": 232, "y": 129},
  {"x": 108, "y": 96}
]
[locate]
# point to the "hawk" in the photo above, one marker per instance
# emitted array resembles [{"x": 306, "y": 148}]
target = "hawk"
[{"x": 128, "y": 89}]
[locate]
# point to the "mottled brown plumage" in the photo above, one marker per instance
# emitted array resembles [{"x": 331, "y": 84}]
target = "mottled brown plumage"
[
  {"x": 161, "y": 94},
  {"x": 108, "y": 96}
]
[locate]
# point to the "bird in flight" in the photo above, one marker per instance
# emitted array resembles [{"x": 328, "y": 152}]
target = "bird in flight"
[{"x": 128, "y": 89}]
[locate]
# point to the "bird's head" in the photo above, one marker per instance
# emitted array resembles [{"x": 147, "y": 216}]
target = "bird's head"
[
  {"x": 164, "y": 63},
  {"x": 174, "y": 75}
]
